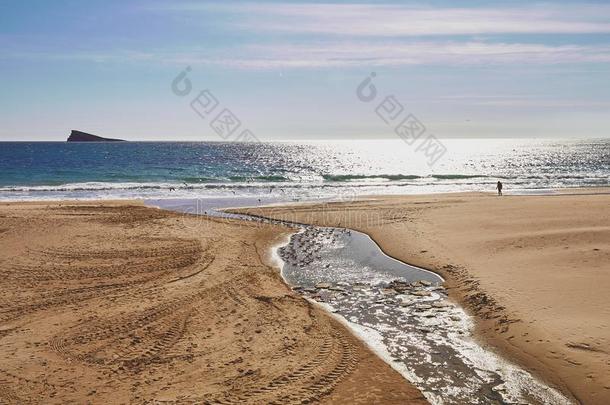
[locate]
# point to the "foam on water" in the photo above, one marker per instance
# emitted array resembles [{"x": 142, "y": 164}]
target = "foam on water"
[
  {"x": 292, "y": 170},
  {"x": 411, "y": 324}
]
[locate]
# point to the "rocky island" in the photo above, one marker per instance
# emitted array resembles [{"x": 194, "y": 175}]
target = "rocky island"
[{"x": 78, "y": 136}]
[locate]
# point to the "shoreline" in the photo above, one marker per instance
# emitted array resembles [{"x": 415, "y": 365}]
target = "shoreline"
[
  {"x": 493, "y": 324},
  {"x": 280, "y": 200}
]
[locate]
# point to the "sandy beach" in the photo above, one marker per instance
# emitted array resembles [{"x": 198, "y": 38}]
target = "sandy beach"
[
  {"x": 533, "y": 270},
  {"x": 300, "y": 202},
  {"x": 118, "y": 303}
]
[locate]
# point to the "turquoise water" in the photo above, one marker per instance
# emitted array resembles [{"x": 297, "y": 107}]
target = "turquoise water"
[{"x": 292, "y": 170}]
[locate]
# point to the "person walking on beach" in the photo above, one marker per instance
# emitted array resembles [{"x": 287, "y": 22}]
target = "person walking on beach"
[{"x": 499, "y": 187}]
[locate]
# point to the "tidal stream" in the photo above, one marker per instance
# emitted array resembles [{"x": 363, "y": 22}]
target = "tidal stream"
[{"x": 402, "y": 312}]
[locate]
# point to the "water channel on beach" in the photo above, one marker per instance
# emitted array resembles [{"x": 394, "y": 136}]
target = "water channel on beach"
[{"x": 401, "y": 311}]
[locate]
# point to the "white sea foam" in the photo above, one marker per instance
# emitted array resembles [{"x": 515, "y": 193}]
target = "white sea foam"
[{"x": 397, "y": 338}]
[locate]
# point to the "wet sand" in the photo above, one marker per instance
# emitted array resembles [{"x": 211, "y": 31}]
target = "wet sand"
[
  {"x": 534, "y": 270},
  {"x": 120, "y": 303}
]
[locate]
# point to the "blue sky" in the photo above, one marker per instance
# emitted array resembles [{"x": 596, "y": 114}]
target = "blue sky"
[{"x": 289, "y": 70}]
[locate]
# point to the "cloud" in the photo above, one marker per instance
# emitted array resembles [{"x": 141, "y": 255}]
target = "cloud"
[
  {"x": 346, "y": 35},
  {"x": 344, "y": 54},
  {"x": 522, "y": 101},
  {"x": 407, "y": 20},
  {"x": 315, "y": 35}
]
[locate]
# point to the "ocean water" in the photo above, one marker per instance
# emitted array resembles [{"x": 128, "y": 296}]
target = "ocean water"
[{"x": 293, "y": 170}]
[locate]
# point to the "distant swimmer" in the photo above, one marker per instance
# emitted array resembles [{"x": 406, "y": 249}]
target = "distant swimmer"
[
  {"x": 499, "y": 187},
  {"x": 172, "y": 189}
]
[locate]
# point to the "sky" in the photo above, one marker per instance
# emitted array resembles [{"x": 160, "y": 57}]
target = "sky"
[{"x": 292, "y": 70}]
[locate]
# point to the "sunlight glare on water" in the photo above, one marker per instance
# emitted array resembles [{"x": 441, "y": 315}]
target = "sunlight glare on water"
[{"x": 294, "y": 170}]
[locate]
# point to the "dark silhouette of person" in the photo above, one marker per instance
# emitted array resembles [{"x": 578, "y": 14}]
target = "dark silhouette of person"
[{"x": 499, "y": 187}]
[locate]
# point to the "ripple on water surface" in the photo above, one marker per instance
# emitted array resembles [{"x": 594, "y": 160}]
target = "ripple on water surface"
[{"x": 403, "y": 312}]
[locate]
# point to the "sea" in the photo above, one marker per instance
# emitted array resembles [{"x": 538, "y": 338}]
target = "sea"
[{"x": 295, "y": 171}]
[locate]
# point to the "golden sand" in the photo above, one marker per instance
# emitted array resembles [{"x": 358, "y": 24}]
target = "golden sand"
[
  {"x": 534, "y": 270},
  {"x": 120, "y": 303}
]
